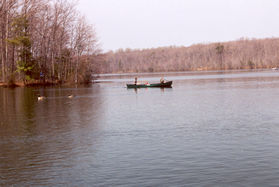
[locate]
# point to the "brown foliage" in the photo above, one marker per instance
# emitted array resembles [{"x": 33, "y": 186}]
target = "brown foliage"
[
  {"x": 59, "y": 38},
  {"x": 240, "y": 54}
]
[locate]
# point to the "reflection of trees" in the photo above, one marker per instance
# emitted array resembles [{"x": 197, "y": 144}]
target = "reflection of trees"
[
  {"x": 28, "y": 104},
  {"x": 17, "y": 106},
  {"x": 37, "y": 138}
]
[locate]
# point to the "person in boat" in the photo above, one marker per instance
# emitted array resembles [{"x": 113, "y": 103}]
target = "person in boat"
[
  {"x": 162, "y": 80},
  {"x": 136, "y": 80}
]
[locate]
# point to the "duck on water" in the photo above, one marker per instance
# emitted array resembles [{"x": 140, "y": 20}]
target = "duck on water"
[
  {"x": 40, "y": 98},
  {"x": 71, "y": 96}
]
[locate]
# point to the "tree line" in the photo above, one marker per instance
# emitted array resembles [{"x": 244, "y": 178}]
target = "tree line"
[
  {"x": 46, "y": 41},
  {"x": 240, "y": 54}
]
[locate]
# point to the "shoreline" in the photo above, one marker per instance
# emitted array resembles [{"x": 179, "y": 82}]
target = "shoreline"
[
  {"x": 37, "y": 84},
  {"x": 55, "y": 83},
  {"x": 21, "y": 84}
]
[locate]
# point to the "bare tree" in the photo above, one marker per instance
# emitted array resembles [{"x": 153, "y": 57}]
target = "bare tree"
[
  {"x": 240, "y": 54},
  {"x": 48, "y": 34}
]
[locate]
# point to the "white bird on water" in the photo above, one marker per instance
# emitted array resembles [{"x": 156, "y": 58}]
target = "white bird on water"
[
  {"x": 40, "y": 98},
  {"x": 71, "y": 96}
]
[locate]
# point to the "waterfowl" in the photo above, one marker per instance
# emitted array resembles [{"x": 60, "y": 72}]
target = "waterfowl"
[
  {"x": 71, "y": 96},
  {"x": 41, "y": 98}
]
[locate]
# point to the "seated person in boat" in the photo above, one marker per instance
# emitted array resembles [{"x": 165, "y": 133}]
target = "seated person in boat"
[{"x": 162, "y": 80}]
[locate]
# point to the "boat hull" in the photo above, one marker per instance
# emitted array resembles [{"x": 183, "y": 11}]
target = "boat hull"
[{"x": 158, "y": 85}]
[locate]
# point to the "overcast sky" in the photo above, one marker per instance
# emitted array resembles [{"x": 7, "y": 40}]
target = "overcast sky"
[{"x": 157, "y": 23}]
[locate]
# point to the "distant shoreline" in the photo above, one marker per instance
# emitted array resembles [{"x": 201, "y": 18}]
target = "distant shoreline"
[
  {"x": 233, "y": 55},
  {"x": 170, "y": 72}
]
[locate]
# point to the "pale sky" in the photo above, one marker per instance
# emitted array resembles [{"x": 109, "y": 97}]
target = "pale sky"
[{"x": 139, "y": 24}]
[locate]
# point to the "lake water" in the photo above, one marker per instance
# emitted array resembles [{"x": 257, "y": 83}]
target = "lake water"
[{"x": 209, "y": 129}]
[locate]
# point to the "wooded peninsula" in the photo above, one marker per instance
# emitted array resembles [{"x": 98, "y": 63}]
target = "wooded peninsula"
[
  {"x": 49, "y": 42},
  {"x": 45, "y": 41}
]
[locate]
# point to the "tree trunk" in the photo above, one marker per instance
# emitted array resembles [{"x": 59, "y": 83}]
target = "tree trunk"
[{"x": 76, "y": 72}]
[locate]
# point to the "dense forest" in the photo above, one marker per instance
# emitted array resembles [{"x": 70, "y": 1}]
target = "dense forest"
[
  {"x": 45, "y": 41},
  {"x": 240, "y": 54}
]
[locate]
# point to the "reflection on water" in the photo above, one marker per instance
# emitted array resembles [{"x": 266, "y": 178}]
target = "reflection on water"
[
  {"x": 39, "y": 138},
  {"x": 210, "y": 129},
  {"x": 136, "y": 89}
]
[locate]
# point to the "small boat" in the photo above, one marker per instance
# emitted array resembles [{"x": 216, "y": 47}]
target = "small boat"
[{"x": 166, "y": 84}]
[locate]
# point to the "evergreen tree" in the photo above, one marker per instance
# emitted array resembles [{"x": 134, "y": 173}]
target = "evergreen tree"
[{"x": 26, "y": 63}]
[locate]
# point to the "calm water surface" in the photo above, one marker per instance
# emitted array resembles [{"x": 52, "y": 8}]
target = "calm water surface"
[{"x": 210, "y": 129}]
